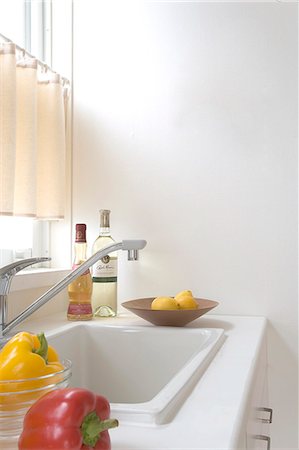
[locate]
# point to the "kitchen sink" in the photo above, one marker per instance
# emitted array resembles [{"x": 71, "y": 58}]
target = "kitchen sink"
[{"x": 145, "y": 372}]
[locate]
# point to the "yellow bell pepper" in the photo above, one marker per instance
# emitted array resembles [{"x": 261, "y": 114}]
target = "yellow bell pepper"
[
  {"x": 29, "y": 368},
  {"x": 28, "y": 356}
]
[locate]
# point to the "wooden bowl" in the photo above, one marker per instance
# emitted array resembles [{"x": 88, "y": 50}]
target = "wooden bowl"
[{"x": 173, "y": 318}]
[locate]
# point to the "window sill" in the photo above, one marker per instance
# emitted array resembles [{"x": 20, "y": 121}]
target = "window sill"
[{"x": 31, "y": 279}]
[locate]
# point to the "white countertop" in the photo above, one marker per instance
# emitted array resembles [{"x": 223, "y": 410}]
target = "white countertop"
[{"x": 211, "y": 417}]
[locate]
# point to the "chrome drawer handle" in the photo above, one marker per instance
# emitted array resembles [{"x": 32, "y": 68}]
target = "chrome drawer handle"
[
  {"x": 268, "y": 410},
  {"x": 262, "y": 437}
]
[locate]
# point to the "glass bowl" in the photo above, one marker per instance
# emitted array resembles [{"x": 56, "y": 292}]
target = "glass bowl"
[{"x": 16, "y": 397}]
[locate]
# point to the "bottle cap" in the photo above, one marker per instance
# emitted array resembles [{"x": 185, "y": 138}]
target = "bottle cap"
[
  {"x": 104, "y": 218},
  {"x": 80, "y": 232}
]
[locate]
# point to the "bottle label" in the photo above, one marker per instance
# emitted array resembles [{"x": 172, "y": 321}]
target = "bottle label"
[
  {"x": 77, "y": 309},
  {"x": 105, "y": 268}
]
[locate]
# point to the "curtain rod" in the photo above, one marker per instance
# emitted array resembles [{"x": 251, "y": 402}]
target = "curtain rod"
[{"x": 39, "y": 62}]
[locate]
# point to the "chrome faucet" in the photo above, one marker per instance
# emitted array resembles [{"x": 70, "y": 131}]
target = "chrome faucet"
[{"x": 7, "y": 273}]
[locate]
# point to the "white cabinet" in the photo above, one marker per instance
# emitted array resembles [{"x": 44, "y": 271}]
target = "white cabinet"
[{"x": 259, "y": 413}]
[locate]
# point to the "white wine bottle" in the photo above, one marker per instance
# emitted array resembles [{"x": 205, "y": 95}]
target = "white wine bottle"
[{"x": 104, "y": 274}]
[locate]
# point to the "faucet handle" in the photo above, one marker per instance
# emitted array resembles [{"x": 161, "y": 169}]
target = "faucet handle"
[
  {"x": 133, "y": 244},
  {"x": 7, "y": 272}
]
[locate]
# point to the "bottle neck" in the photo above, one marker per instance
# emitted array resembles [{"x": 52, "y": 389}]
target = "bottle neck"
[
  {"x": 104, "y": 222},
  {"x": 104, "y": 231},
  {"x": 80, "y": 253}
]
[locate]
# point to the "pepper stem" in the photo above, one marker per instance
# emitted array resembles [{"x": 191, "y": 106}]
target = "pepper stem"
[
  {"x": 43, "y": 347},
  {"x": 92, "y": 426}
]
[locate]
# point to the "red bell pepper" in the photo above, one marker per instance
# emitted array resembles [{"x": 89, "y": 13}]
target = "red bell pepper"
[{"x": 70, "y": 419}]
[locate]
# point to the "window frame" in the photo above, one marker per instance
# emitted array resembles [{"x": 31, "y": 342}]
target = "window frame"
[{"x": 46, "y": 20}]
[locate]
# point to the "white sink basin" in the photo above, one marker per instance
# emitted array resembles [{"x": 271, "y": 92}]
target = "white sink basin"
[{"x": 145, "y": 372}]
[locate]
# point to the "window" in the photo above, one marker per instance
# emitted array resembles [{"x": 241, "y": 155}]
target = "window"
[
  {"x": 21, "y": 238},
  {"x": 29, "y": 23},
  {"x": 12, "y": 23}
]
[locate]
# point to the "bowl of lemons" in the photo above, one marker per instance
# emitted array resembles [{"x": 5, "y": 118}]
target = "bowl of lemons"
[{"x": 175, "y": 311}]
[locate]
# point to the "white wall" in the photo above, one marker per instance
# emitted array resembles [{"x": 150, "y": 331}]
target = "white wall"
[{"x": 185, "y": 126}]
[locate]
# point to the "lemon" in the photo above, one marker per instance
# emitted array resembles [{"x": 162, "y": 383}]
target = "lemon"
[
  {"x": 187, "y": 302},
  {"x": 164, "y": 303},
  {"x": 183, "y": 294}
]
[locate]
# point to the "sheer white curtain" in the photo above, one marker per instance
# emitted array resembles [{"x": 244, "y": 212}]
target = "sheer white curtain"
[{"x": 32, "y": 137}]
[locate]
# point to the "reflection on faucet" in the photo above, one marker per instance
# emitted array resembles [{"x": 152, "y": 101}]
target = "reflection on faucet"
[{"x": 7, "y": 273}]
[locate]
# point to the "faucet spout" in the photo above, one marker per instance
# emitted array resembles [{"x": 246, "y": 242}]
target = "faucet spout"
[{"x": 130, "y": 245}]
